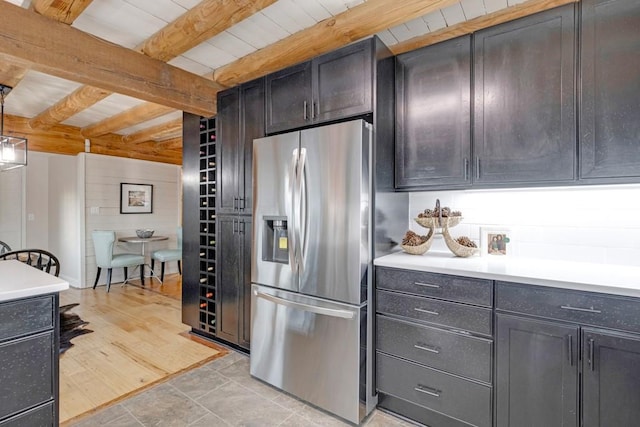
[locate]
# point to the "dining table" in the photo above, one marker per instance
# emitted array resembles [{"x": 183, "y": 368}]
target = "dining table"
[{"x": 143, "y": 241}]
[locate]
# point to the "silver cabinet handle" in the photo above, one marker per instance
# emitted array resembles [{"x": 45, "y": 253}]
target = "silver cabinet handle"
[
  {"x": 570, "y": 348},
  {"x": 426, "y": 285},
  {"x": 422, "y": 310},
  {"x": 586, "y": 310},
  {"x": 435, "y": 350},
  {"x": 304, "y": 107},
  {"x": 344, "y": 314},
  {"x": 466, "y": 169},
  {"x": 428, "y": 390},
  {"x": 478, "y": 167},
  {"x": 591, "y": 360}
]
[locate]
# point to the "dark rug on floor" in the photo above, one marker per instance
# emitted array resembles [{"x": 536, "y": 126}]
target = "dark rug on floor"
[{"x": 71, "y": 326}]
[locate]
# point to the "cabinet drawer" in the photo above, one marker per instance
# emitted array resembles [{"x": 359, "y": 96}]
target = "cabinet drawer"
[
  {"x": 458, "y": 354},
  {"x": 461, "y": 317},
  {"x": 586, "y": 308},
  {"x": 453, "y": 288},
  {"x": 41, "y": 417},
  {"x": 27, "y": 316},
  {"x": 458, "y": 398},
  {"x": 26, "y": 373}
]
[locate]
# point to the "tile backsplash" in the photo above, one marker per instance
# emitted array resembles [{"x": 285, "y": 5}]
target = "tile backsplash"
[{"x": 596, "y": 224}]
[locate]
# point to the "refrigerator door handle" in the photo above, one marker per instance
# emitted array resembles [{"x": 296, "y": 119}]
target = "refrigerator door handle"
[
  {"x": 344, "y": 314},
  {"x": 301, "y": 217},
  {"x": 292, "y": 211}
]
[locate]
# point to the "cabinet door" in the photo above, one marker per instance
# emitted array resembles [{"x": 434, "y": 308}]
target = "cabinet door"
[
  {"x": 610, "y": 62},
  {"x": 244, "y": 257},
  {"x": 343, "y": 82},
  {"x": 611, "y": 378},
  {"x": 433, "y": 115},
  {"x": 252, "y": 126},
  {"x": 228, "y": 303},
  {"x": 536, "y": 373},
  {"x": 228, "y": 138},
  {"x": 288, "y": 98},
  {"x": 524, "y": 127}
]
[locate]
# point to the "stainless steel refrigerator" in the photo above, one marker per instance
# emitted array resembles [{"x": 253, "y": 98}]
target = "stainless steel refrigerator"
[{"x": 312, "y": 266}]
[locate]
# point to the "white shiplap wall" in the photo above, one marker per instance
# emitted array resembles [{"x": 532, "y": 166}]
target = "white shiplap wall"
[
  {"x": 103, "y": 175},
  {"x": 596, "y": 224}
]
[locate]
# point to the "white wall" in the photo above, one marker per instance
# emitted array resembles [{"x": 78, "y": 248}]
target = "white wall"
[
  {"x": 12, "y": 207},
  {"x": 102, "y": 178},
  {"x": 597, "y": 224},
  {"x": 51, "y": 210}
]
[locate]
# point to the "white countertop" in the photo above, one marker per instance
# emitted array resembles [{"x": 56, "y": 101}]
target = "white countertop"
[
  {"x": 19, "y": 280},
  {"x": 605, "y": 278}
]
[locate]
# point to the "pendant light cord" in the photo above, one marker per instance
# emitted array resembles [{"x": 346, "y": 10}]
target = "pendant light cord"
[{"x": 2, "y": 111}]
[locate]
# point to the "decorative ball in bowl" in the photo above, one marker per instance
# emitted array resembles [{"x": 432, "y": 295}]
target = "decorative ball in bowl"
[{"x": 144, "y": 233}]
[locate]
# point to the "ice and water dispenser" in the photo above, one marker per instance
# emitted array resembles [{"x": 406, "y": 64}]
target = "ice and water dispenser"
[{"x": 275, "y": 242}]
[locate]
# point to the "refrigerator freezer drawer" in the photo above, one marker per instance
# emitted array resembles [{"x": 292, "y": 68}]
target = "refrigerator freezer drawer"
[{"x": 308, "y": 347}]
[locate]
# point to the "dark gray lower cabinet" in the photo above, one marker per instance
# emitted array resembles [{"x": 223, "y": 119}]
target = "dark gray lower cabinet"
[
  {"x": 434, "y": 353},
  {"x": 29, "y": 345},
  {"x": 536, "y": 372},
  {"x": 234, "y": 279},
  {"x": 548, "y": 368},
  {"x": 611, "y": 378}
]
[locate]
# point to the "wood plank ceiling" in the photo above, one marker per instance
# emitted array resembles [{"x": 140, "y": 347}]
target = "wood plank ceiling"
[{"x": 119, "y": 73}]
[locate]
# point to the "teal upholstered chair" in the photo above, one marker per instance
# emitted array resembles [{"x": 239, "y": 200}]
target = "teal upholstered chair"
[
  {"x": 166, "y": 255},
  {"x": 103, "y": 241}
]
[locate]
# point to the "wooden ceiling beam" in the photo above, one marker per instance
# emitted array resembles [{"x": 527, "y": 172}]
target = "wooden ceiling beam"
[
  {"x": 11, "y": 74},
  {"x": 61, "y": 10},
  {"x": 65, "y": 11},
  {"x": 65, "y": 139},
  {"x": 131, "y": 117},
  {"x": 90, "y": 60},
  {"x": 208, "y": 18},
  {"x": 68, "y": 106},
  {"x": 205, "y": 20},
  {"x": 360, "y": 21},
  {"x": 155, "y": 132},
  {"x": 468, "y": 27}
]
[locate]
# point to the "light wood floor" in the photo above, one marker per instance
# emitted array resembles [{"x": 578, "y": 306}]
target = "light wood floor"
[{"x": 138, "y": 340}]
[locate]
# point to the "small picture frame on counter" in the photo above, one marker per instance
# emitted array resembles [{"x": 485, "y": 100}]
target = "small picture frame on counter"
[{"x": 496, "y": 241}]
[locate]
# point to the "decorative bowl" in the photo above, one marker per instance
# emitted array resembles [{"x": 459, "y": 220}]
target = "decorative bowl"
[
  {"x": 422, "y": 248},
  {"x": 144, "y": 233},
  {"x": 455, "y": 247},
  {"x": 450, "y": 221}
]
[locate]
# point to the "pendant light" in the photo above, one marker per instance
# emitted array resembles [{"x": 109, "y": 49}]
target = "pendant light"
[{"x": 13, "y": 150}]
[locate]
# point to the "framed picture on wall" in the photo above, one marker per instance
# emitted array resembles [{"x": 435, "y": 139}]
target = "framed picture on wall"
[
  {"x": 136, "y": 198},
  {"x": 496, "y": 241}
]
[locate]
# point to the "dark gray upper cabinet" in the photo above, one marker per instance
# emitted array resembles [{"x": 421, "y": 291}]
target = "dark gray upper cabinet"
[
  {"x": 610, "y": 65},
  {"x": 611, "y": 378},
  {"x": 536, "y": 373},
  {"x": 288, "y": 98},
  {"x": 240, "y": 121},
  {"x": 433, "y": 115},
  {"x": 343, "y": 82},
  {"x": 524, "y": 115},
  {"x": 336, "y": 85}
]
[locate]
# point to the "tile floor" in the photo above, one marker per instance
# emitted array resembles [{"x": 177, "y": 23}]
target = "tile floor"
[{"x": 220, "y": 393}]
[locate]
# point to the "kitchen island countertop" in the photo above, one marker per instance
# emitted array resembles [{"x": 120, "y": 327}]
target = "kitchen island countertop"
[
  {"x": 19, "y": 280},
  {"x": 603, "y": 278}
]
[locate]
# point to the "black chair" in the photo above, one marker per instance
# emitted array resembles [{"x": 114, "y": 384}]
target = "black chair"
[
  {"x": 38, "y": 258},
  {"x": 4, "y": 248}
]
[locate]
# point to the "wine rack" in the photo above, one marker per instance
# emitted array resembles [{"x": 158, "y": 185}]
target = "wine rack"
[{"x": 207, "y": 227}]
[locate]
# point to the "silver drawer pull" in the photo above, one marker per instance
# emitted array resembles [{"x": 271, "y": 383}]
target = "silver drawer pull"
[
  {"x": 435, "y": 350},
  {"x": 428, "y": 285},
  {"x": 586, "y": 310},
  {"x": 428, "y": 390},
  {"x": 422, "y": 310}
]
